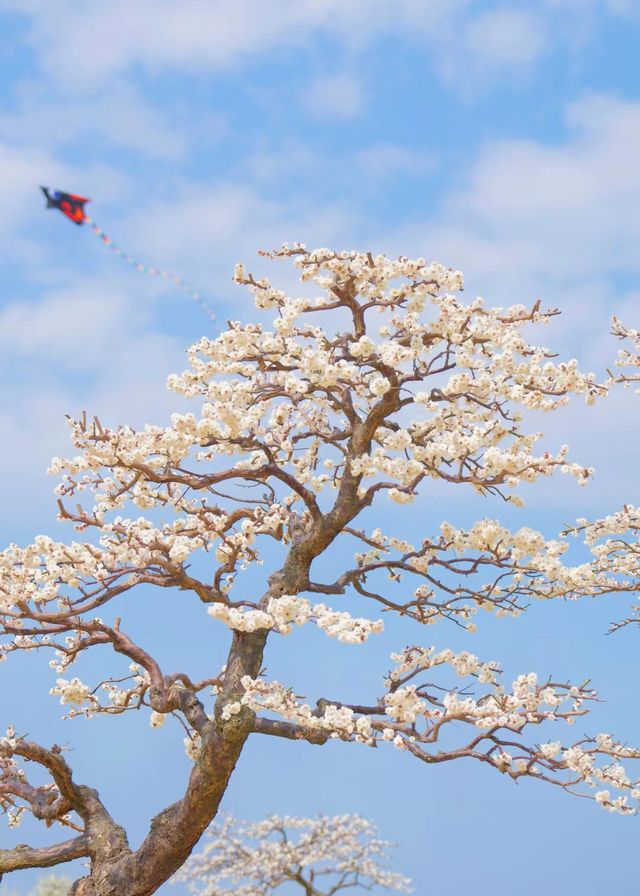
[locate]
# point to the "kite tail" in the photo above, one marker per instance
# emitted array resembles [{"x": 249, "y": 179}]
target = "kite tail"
[{"x": 154, "y": 272}]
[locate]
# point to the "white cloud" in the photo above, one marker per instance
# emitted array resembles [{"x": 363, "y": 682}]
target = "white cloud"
[
  {"x": 86, "y": 348},
  {"x": 505, "y": 38},
  {"x": 335, "y": 96},
  {"x": 616, "y": 7},
  {"x": 104, "y": 41},
  {"x": 539, "y": 216},
  {"x": 119, "y": 114},
  {"x": 622, "y": 7},
  {"x": 470, "y": 46},
  {"x": 75, "y": 327},
  {"x": 383, "y": 160},
  {"x": 206, "y": 229},
  {"x": 575, "y": 204},
  {"x": 269, "y": 165},
  {"x": 132, "y": 389},
  {"x": 297, "y": 165},
  {"x": 489, "y": 46}
]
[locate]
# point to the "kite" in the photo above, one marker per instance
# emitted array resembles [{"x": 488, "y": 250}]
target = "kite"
[
  {"x": 72, "y": 207},
  {"x": 69, "y": 204}
]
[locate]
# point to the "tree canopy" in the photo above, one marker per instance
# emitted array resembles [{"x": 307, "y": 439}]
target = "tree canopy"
[{"x": 386, "y": 383}]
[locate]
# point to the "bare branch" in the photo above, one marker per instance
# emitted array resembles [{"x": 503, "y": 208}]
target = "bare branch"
[{"x": 22, "y": 856}]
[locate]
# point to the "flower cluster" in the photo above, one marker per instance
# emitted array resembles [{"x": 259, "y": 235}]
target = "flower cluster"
[
  {"x": 239, "y": 619},
  {"x": 72, "y": 692},
  {"x": 413, "y": 660},
  {"x": 332, "y": 719},
  {"x": 289, "y": 610},
  {"x": 110, "y": 697}
]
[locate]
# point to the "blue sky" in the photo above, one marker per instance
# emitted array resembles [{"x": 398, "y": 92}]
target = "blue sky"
[{"x": 501, "y": 138}]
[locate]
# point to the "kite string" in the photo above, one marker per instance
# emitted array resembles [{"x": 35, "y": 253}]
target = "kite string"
[{"x": 154, "y": 272}]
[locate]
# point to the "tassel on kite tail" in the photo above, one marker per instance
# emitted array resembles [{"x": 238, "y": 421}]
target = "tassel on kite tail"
[{"x": 154, "y": 272}]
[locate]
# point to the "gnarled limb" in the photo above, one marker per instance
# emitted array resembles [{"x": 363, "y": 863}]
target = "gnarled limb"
[{"x": 102, "y": 839}]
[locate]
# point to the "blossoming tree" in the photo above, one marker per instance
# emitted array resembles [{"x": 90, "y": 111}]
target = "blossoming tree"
[
  {"x": 301, "y": 432},
  {"x": 320, "y": 856}
]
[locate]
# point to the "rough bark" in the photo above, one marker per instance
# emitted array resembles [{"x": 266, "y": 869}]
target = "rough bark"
[{"x": 176, "y": 830}]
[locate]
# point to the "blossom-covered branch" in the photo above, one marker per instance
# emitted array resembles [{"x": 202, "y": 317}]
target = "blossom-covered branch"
[{"x": 423, "y": 711}]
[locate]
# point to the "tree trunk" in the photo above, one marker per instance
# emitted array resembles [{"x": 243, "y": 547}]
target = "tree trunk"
[{"x": 176, "y": 830}]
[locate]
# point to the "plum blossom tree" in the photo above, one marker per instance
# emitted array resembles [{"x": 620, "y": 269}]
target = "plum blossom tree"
[
  {"x": 320, "y": 856},
  {"x": 301, "y": 434}
]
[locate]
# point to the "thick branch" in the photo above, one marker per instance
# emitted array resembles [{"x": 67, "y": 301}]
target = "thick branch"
[{"x": 21, "y": 857}]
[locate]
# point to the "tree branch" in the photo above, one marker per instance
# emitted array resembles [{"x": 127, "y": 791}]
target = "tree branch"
[
  {"x": 21, "y": 857},
  {"x": 289, "y": 730}
]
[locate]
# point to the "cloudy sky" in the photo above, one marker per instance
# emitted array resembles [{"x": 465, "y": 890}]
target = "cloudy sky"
[{"x": 502, "y": 138}]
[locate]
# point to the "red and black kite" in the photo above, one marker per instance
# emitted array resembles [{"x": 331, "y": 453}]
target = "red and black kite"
[{"x": 71, "y": 205}]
